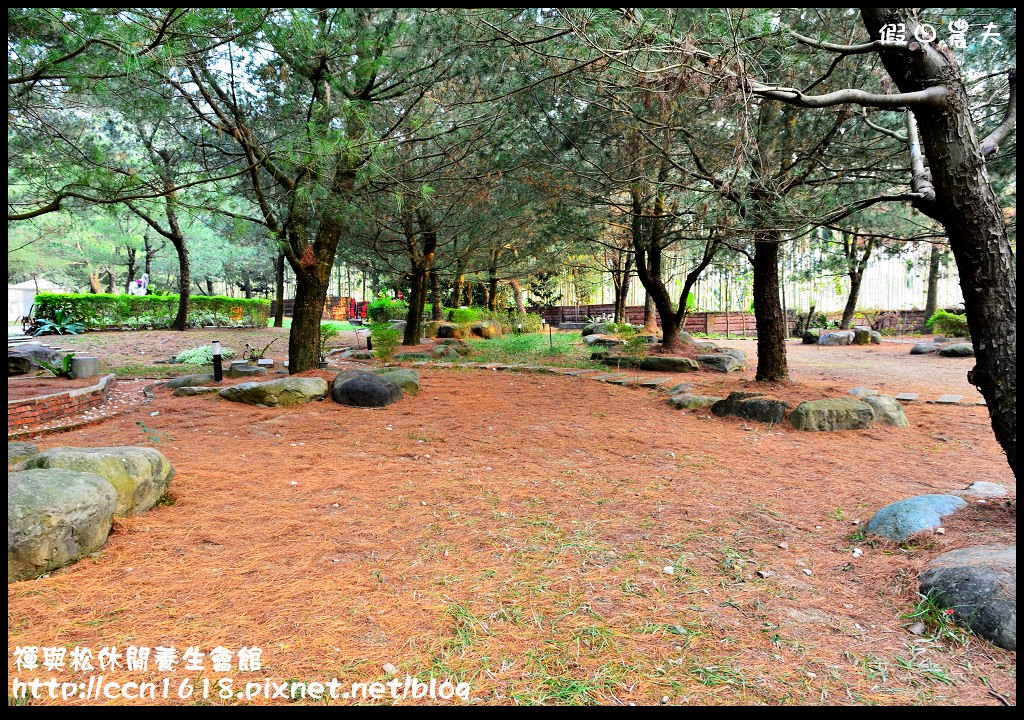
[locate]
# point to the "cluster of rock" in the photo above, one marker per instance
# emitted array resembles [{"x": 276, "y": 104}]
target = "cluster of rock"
[
  {"x": 24, "y": 357},
  {"x": 947, "y": 347},
  {"x": 979, "y": 583},
  {"x": 828, "y": 414},
  {"x": 711, "y": 357},
  {"x": 859, "y": 335},
  {"x": 61, "y": 503},
  {"x": 355, "y": 388}
]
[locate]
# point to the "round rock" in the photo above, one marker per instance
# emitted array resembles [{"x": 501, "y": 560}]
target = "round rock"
[
  {"x": 139, "y": 475},
  {"x": 980, "y": 584},
  {"x": 962, "y": 349},
  {"x": 284, "y": 391},
  {"x": 901, "y": 519},
  {"x": 55, "y": 517},
  {"x": 832, "y": 414},
  {"x": 886, "y": 410},
  {"x": 365, "y": 390}
]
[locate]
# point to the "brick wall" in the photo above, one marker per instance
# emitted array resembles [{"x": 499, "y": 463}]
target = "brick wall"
[{"x": 33, "y": 411}]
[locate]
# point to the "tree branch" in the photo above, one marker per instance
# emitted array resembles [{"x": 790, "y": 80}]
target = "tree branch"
[
  {"x": 991, "y": 143},
  {"x": 931, "y": 97},
  {"x": 874, "y": 45}
]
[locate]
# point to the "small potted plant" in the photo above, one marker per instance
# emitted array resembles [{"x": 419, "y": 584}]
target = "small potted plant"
[
  {"x": 253, "y": 355},
  {"x": 327, "y": 333}
]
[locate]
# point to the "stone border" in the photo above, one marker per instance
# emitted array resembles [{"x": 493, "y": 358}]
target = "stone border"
[{"x": 33, "y": 411}]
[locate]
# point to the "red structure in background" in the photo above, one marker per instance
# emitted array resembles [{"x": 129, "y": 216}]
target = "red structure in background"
[{"x": 335, "y": 308}]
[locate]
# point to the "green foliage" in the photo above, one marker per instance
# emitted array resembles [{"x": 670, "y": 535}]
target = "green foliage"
[
  {"x": 937, "y": 619},
  {"x": 466, "y": 315},
  {"x": 383, "y": 309},
  {"x": 947, "y": 323},
  {"x": 63, "y": 369},
  {"x": 60, "y": 324},
  {"x": 385, "y": 340},
  {"x": 513, "y": 322},
  {"x": 202, "y": 355},
  {"x": 252, "y": 353},
  {"x": 100, "y": 311},
  {"x": 327, "y": 333}
]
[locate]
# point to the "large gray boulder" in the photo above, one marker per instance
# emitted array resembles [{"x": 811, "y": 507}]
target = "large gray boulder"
[
  {"x": 668, "y": 363},
  {"x": 837, "y": 337},
  {"x": 926, "y": 348},
  {"x": 460, "y": 346},
  {"x": 193, "y": 390},
  {"x": 408, "y": 380},
  {"x": 886, "y": 410},
  {"x": 876, "y": 337},
  {"x": 55, "y": 517},
  {"x": 284, "y": 391},
  {"x": 980, "y": 584},
  {"x": 601, "y": 340},
  {"x": 686, "y": 337},
  {"x": 811, "y": 336},
  {"x": 962, "y": 349},
  {"x": 450, "y": 330},
  {"x": 366, "y": 390},
  {"x": 188, "y": 381},
  {"x": 430, "y": 328},
  {"x": 751, "y": 406},
  {"x": 899, "y": 520},
  {"x": 139, "y": 475},
  {"x": 19, "y": 452},
  {"x": 686, "y": 401},
  {"x": 832, "y": 414},
  {"x": 25, "y": 357},
  {"x": 487, "y": 329},
  {"x": 244, "y": 369},
  {"x": 724, "y": 360},
  {"x": 594, "y": 329},
  {"x": 861, "y": 335}
]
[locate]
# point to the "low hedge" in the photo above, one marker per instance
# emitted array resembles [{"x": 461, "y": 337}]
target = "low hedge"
[
  {"x": 103, "y": 311},
  {"x": 947, "y": 323}
]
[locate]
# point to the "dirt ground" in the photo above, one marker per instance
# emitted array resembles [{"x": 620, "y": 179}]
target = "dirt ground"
[
  {"x": 512, "y": 531},
  {"x": 26, "y": 386}
]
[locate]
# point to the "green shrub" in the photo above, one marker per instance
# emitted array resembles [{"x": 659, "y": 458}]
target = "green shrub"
[
  {"x": 383, "y": 309},
  {"x": 100, "y": 311},
  {"x": 465, "y": 315},
  {"x": 947, "y": 323},
  {"x": 61, "y": 370},
  {"x": 513, "y": 322},
  {"x": 61, "y": 324},
  {"x": 385, "y": 340},
  {"x": 327, "y": 333},
  {"x": 202, "y": 355}
]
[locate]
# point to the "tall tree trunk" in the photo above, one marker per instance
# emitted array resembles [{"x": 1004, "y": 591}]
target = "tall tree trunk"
[
  {"x": 111, "y": 281},
  {"x": 517, "y": 295},
  {"x": 184, "y": 283},
  {"x": 150, "y": 253},
  {"x": 492, "y": 290},
  {"x": 247, "y": 287},
  {"x": 436, "y": 308},
  {"x": 460, "y": 283},
  {"x": 131, "y": 268},
  {"x": 279, "y": 290},
  {"x": 966, "y": 206},
  {"x": 417, "y": 304},
  {"x": 209, "y": 286},
  {"x": 931, "y": 303},
  {"x": 771, "y": 324},
  {"x": 94, "y": 282},
  {"x": 651, "y": 318},
  {"x": 304, "y": 336},
  {"x": 851, "y": 300}
]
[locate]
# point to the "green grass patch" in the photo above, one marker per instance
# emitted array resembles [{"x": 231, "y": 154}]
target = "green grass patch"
[
  {"x": 559, "y": 349},
  {"x": 340, "y": 325}
]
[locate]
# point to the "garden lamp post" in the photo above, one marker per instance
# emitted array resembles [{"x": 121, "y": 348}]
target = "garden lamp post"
[{"x": 218, "y": 367}]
